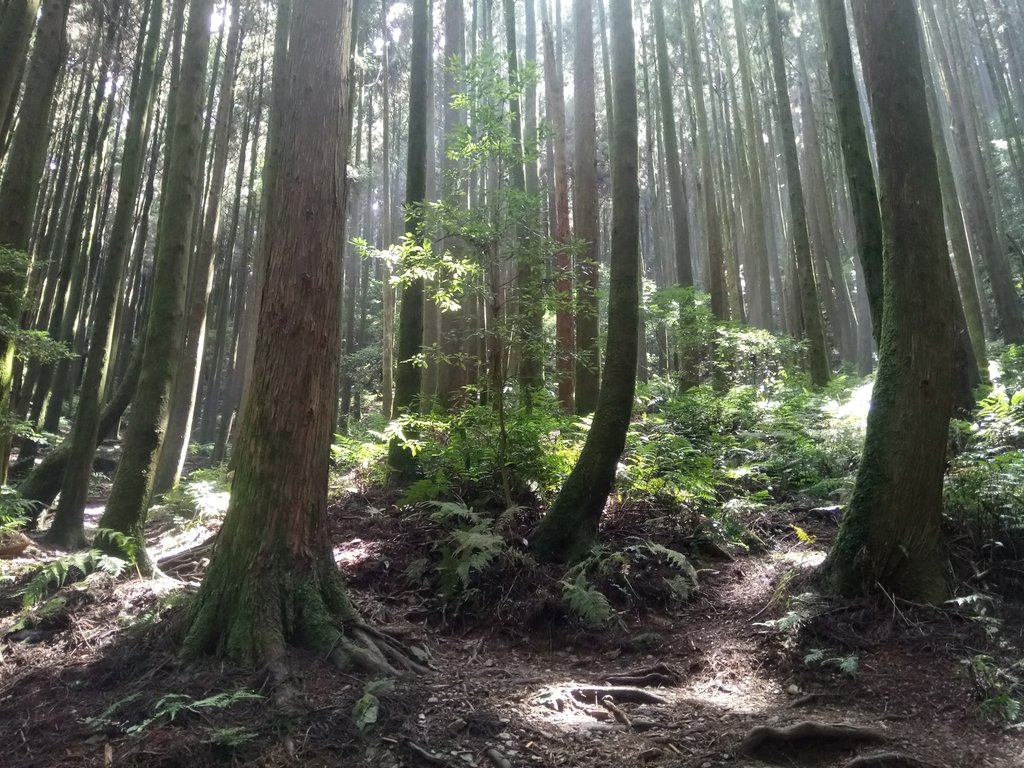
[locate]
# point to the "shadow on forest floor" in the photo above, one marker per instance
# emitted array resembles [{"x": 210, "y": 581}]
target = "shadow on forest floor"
[{"x": 96, "y": 682}]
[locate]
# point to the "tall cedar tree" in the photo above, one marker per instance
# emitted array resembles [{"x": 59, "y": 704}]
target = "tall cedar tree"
[
  {"x": 272, "y": 580},
  {"x": 133, "y": 482},
  {"x": 891, "y": 535},
  {"x": 408, "y": 379},
  {"x": 568, "y": 529}
]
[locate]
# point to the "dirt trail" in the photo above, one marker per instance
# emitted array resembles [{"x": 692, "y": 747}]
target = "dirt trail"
[{"x": 90, "y": 688}]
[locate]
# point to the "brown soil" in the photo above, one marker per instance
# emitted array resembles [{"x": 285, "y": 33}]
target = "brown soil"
[{"x": 511, "y": 671}]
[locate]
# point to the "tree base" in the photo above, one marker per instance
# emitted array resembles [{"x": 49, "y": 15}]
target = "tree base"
[{"x": 279, "y": 608}]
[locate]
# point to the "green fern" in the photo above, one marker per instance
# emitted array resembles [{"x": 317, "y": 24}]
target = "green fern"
[
  {"x": 54, "y": 574},
  {"x": 111, "y": 540},
  {"x": 586, "y": 603},
  {"x": 174, "y": 704},
  {"x": 677, "y": 560}
]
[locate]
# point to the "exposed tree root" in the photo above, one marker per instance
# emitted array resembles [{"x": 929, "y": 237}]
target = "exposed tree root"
[
  {"x": 425, "y": 755},
  {"x": 659, "y": 674},
  {"x": 608, "y": 703},
  {"x": 806, "y": 736},
  {"x": 497, "y": 759},
  {"x": 591, "y": 693},
  {"x": 888, "y": 760}
]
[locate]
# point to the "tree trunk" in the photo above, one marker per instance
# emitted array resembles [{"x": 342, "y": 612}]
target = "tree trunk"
[
  {"x": 891, "y": 534},
  {"x": 812, "y": 325},
  {"x": 564, "y": 320},
  {"x": 408, "y": 381},
  {"x": 68, "y": 528},
  {"x": 272, "y": 580},
  {"x": 174, "y": 449},
  {"x": 567, "y": 531},
  {"x": 18, "y": 21},
  {"x": 586, "y": 210},
  {"x": 856, "y": 156},
  {"x": 19, "y": 185},
  {"x": 133, "y": 483}
]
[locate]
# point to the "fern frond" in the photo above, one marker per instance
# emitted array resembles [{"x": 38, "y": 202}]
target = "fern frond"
[{"x": 586, "y": 603}]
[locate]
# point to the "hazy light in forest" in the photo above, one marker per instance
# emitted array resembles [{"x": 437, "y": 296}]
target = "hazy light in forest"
[{"x": 856, "y": 407}]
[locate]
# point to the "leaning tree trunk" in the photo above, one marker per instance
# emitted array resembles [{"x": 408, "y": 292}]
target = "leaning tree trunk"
[
  {"x": 856, "y": 155},
  {"x": 891, "y": 535},
  {"x": 18, "y": 19},
  {"x": 272, "y": 580},
  {"x": 19, "y": 186},
  {"x": 174, "y": 450},
  {"x": 133, "y": 483},
  {"x": 568, "y": 529},
  {"x": 68, "y": 528}
]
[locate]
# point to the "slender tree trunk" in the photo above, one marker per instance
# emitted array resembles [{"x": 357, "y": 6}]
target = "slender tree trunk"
[
  {"x": 174, "y": 449},
  {"x": 817, "y": 352},
  {"x": 128, "y": 504},
  {"x": 567, "y": 531},
  {"x": 68, "y": 524},
  {"x": 856, "y": 155},
  {"x": 408, "y": 381},
  {"x": 586, "y": 210},
  {"x": 16, "y": 27},
  {"x": 19, "y": 185},
  {"x": 564, "y": 320},
  {"x": 760, "y": 293}
]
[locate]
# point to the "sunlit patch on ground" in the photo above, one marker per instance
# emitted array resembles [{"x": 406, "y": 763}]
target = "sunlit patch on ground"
[
  {"x": 354, "y": 552},
  {"x": 802, "y": 558}
]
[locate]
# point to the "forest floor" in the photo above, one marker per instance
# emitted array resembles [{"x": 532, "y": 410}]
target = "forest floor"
[{"x": 91, "y": 676}]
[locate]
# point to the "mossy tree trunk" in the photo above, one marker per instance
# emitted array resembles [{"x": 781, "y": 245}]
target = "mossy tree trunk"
[
  {"x": 568, "y": 529},
  {"x": 409, "y": 375},
  {"x": 272, "y": 580},
  {"x": 133, "y": 483},
  {"x": 856, "y": 156},
  {"x": 891, "y": 534}
]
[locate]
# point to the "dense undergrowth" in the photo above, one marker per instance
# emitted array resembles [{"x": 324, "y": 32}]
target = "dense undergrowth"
[{"x": 729, "y": 466}]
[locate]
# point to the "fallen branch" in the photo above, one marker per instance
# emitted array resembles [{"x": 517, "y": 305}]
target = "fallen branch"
[{"x": 765, "y": 737}]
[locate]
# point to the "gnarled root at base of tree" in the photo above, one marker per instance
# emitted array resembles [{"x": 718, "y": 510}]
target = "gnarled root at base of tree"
[
  {"x": 807, "y": 735},
  {"x": 284, "y": 606}
]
